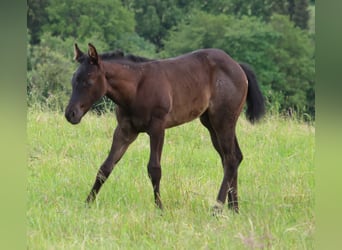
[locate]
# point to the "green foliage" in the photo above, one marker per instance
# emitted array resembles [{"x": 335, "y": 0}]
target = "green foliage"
[
  {"x": 263, "y": 9},
  {"x": 83, "y": 19},
  {"x": 28, "y": 50},
  {"x": 134, "y": 44},
  {"x": 260, "y": 8},
  {"x": 300, "y": 15},
  {"x": 281, "y": 54},
  {"x": 295, "y": 56},
  {"x": 155, "y": 18},
  {"x": 48, "y": 81},
  {"x": 36, "y": 18},
  {"x": 251, "y": 31},
  {"x": 311, "y": 23}
]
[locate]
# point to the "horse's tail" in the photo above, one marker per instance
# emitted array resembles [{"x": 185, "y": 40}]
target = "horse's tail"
[{"x": 255, "y": 100}]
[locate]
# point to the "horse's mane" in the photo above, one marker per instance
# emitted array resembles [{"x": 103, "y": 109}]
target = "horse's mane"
[{"x": 118, "y": 54}]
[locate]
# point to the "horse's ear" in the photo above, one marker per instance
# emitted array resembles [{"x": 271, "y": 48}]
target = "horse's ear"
[
  {"x": 94, "y": 58},
  {"x": 77, "y": 53}
]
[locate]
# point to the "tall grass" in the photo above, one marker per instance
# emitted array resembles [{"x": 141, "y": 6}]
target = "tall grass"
[{"x": 276, "y": 188}]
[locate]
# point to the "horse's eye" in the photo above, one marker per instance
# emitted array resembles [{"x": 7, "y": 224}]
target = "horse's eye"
[
  {"x": 82, "y": 84},
  {"x": 86, "y": 84}
]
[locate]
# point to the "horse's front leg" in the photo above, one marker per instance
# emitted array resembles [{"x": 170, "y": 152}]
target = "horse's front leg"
[
  {"x": 156, "y": 133},
  {"x": 122, "y": 138}
]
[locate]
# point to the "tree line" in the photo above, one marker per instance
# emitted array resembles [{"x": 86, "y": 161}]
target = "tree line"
[{"x": 277, "y": 38}]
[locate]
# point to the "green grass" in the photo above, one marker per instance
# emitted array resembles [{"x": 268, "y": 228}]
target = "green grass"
[{"x": 276, "y": 188}]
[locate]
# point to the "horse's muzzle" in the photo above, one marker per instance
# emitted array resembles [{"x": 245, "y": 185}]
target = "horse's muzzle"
[{"x": 73, "y": 115}]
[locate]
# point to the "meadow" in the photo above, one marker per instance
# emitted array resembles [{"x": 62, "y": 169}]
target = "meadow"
[{"x": 276, "y": 188}]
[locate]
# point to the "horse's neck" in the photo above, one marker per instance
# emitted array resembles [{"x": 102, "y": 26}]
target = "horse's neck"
[{"x": 122, "y": 82}]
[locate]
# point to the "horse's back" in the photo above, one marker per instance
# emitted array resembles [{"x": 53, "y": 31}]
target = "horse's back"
[
  {"x": 215, "y": 62},
  {"x": 190, "y": 84}
]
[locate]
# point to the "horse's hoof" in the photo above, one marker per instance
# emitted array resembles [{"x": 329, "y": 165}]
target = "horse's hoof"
[
  {"x": 89, "y": 201},
  {"x": 217, "y": 209}
]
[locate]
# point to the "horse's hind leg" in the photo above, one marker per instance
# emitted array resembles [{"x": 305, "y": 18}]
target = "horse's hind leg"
[
  {"x": 223, "y": 137},
  {"x": 122, "y": 138},
  {"x": 228, "y": 147},
  {"x": 206, "y": 122},
  {"x": 233, "y": 191},
  {"x": 232, "y": 157}
]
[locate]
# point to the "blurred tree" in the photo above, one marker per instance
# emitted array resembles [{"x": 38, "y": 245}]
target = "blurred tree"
[
  {"x": 36, "y": 17},
  {"x": 260, "y": 8},
  {"x": 264, "y": 9},
  {"x": 48, "y": 83},
  {"x": 134, "y": 44},
  {"x": 296, "y": 58},
  {"x": 278, "y": 47},
  {"x": 279, "y": 7},
  {"x": 300, "y": 15},
  {"x": 82, "y": 19},
  {"x": 281, "y": 54},
  {"x": 156, "y": 17}
]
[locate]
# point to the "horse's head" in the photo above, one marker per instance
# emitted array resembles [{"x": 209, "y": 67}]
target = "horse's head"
[{"x": 88, "y": 84}]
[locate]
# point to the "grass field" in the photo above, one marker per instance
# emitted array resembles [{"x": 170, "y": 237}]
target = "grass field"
[{"x": 276, "y": 188}]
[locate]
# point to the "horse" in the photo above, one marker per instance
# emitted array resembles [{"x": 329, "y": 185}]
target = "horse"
[{"x": 152, "y": 95}]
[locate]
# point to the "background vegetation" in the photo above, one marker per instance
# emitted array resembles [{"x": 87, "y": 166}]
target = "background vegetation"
[{"x": 276, "y": 37}]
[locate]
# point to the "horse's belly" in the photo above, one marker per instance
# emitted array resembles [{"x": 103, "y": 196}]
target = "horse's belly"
[{"x": 180, "y": 114}]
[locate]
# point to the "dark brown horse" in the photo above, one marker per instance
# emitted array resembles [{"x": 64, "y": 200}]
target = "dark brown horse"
[{"x": 153, "y": 95}]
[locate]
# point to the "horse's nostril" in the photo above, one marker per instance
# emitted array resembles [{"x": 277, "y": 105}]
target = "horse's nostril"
[{"x": 70, "y": 115}]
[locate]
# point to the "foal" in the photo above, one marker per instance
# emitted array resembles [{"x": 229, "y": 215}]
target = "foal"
[{"x": 153, "y": 95}]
